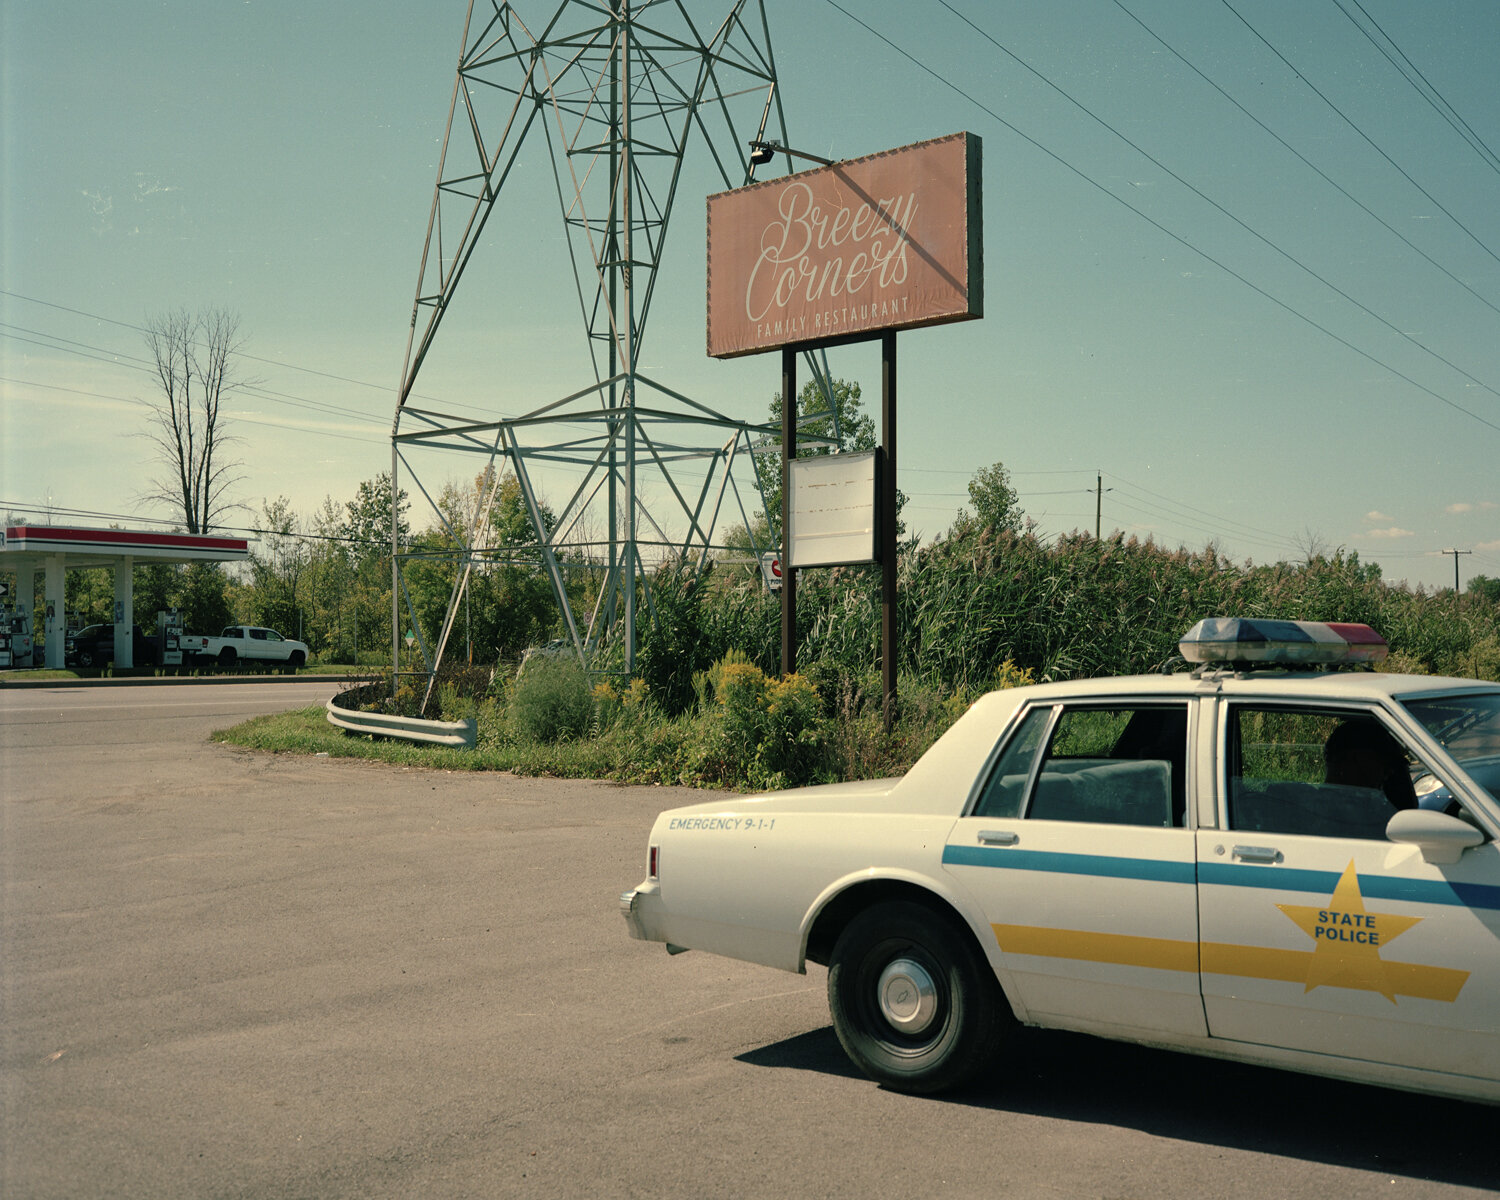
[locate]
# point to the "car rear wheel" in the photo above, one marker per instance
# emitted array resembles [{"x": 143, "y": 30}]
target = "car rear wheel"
[
  {"x": 226, "y": 657},
  {"x": 914, "y": 1003}
]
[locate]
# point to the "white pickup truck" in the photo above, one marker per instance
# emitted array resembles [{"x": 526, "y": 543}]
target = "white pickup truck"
[{"x": 246, "y": 642}]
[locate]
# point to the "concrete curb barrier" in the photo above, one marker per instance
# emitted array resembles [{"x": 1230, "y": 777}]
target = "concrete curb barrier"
[{"x": 460, "y": 734}]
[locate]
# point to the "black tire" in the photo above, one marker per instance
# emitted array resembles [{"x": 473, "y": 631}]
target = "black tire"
[
  {"x": 296, "y": 660},
  {"x": 914, "y": 1002},
  {"x": 85, "y": 658},
  {"x": 227, "y": 657}
]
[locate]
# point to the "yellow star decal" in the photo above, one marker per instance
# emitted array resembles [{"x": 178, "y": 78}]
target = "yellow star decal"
[{"x": 1347, "y": 939}]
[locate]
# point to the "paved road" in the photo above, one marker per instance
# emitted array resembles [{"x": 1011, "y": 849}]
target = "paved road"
[{"x": 230, "y": 974}]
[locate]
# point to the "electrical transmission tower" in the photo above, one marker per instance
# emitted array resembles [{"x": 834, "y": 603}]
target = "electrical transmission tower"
[{"x": 615, "y": 92}]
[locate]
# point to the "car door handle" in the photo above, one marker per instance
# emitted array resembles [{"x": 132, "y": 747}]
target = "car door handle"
[
  {"x": 998, "y": 837},
  {"x": 1257, "y": 854}
]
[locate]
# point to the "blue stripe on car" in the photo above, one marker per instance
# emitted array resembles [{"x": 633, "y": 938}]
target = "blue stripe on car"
[
  {"x": 1149, "y": 869},
  {"x": 1224, "y": 874}
]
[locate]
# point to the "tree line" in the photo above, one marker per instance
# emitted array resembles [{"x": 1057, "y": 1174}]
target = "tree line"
[{"x": 989, "y": 595}]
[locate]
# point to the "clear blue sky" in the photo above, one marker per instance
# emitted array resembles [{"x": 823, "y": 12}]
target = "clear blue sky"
[{"x": 1235, "y": 260}]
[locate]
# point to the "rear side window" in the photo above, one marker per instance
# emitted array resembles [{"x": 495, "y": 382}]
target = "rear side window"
[
  {"x": 1109, "y": 766},
  {"x": 1005, "y": 790}
]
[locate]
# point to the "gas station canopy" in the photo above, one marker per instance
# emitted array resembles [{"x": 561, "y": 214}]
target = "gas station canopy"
[{"x": 30, "y": 549}]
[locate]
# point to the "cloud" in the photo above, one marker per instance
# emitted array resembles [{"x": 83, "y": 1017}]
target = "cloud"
[
  {"x": 1463, "y": 506},
  {"x": 1487, "y": 547},
  {"x": 1377, "y": 516},
  {"x": 101, "y": 209},
  {"x": 1394, "y": 531},
  {"x": 150, "y": 185}
]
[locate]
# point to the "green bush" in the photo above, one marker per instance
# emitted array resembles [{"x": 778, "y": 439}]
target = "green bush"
[
  {"x": 762, "y": 733},
  {"x": 552, "y": 700},
  {"x": 678, "y": 643}
]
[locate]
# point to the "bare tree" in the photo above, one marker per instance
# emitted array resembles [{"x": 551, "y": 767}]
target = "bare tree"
[
  {"x": 1312, "y": 544},
  {"x": 194, "y": 355}
]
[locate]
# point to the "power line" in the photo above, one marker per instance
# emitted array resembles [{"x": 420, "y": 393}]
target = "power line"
[
  {"x": 243, "y": 418},
  {"x": 78, "y": 312},
  {"x": 1352, "y": 125},
  {"x": 962, "y": 471},
  {"x": 103, "y": 354},
  {"x": 1223, "y": 520},
  {"x": 132, "y": 362},
  {"x": 1419, "y": 82},
  {"x": 1155, "y": 224},
  {"x": 1321, "y": 174},
  {"x": 1219, "y": 208}
]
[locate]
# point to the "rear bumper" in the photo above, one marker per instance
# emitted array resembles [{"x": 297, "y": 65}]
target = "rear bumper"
[{"x": 641, "y": 908}]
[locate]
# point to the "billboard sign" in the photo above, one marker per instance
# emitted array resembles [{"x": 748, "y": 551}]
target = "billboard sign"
[
  {"x": 831, "y": 519},
  {"x": 889, "y": 241}
]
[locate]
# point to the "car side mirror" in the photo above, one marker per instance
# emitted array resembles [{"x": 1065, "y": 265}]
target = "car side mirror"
[{"x": 1441, "y": 838}]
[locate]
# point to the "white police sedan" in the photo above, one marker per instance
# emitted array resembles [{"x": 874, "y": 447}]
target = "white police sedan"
[{"x": 1267, "y": 857}]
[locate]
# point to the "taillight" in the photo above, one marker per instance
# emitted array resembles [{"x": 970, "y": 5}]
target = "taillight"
[{"x": 653, "y": 861}]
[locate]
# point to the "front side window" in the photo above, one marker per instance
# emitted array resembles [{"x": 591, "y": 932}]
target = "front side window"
[
  {"x": 1316, "y": 772},
  {"x": 1111, "y": 766}
]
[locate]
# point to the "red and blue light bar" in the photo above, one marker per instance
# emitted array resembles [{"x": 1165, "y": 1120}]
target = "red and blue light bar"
[{"x": 1284, "y": 643}]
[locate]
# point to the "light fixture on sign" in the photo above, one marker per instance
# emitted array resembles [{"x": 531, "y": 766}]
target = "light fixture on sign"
[{"x": 763, "y": 152}]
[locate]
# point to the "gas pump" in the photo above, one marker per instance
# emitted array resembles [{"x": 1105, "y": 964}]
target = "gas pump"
[
  {"x": 169, "y": 638},
  {"x": 15, "y": 637}
]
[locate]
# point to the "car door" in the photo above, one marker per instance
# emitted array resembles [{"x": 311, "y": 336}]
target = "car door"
[
  {"x": 1319, "y": 933},
  {"x": 1077, "y": 850}
]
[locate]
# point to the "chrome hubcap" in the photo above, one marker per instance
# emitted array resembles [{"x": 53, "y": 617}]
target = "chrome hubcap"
[{"x": 908, "y": 996}]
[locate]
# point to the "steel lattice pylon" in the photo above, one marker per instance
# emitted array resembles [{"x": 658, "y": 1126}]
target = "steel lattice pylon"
[{"x": 617, "y": 91}]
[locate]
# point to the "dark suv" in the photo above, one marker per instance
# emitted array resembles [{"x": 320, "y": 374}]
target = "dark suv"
[{"x": 94, "y": 645}]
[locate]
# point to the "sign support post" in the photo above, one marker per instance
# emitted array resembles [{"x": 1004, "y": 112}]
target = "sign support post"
[
  {"x": 889, "y": 620},
  {"x": 788, "y": 452},
  {"x": 850, "y": 252}
]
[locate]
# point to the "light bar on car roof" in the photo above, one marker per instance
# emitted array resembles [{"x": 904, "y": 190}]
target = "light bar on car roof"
[{"x": 1288, "y": 643}]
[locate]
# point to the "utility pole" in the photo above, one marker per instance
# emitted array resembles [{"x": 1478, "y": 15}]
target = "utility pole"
[
  {"x": 1455, "y": 554},
  {"x": 1099, "y": 490}
]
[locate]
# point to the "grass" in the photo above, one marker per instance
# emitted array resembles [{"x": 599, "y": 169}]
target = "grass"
[
  {"x": 307, "y": 731},
  {"x": 637, "y": 745},
  {"x": 37, "y": 674}
]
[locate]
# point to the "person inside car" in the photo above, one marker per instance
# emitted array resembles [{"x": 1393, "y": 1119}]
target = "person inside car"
[{"x": 1360, "y": 753}]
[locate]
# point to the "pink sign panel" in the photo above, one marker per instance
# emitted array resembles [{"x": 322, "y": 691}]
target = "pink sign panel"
[{"x": 890, "y": 241}]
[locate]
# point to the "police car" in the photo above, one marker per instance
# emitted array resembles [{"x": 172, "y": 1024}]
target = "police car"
[{"x": 1268, "y": 857}]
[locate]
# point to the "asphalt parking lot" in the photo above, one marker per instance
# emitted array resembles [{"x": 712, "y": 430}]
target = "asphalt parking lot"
[{"x": 235, "y": 974}]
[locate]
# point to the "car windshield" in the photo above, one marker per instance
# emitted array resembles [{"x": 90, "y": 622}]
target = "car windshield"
[{"x": 1468, "y": 727}]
